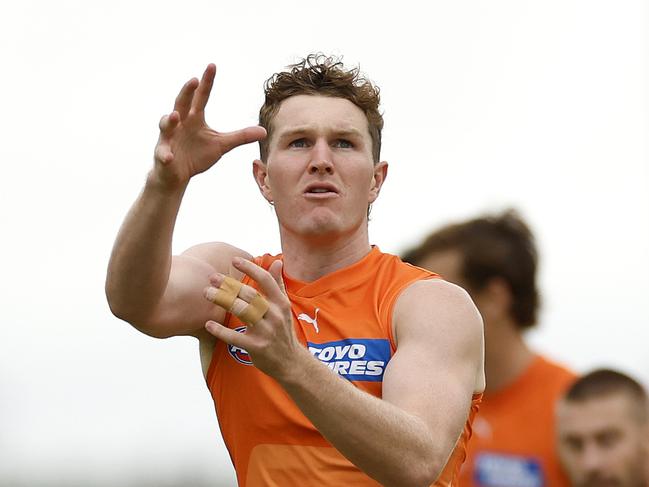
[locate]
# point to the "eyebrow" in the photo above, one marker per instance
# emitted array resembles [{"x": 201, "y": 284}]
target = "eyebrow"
[{"x": 347, "y": 131}]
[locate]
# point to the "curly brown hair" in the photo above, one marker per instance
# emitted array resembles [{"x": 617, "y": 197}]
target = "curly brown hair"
[{"x": 322, "y": 75}]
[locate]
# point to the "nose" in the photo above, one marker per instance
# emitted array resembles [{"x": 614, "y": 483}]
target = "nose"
[
  {"x": 592, "y": 460},
  {"x": 321, "y": 158}
]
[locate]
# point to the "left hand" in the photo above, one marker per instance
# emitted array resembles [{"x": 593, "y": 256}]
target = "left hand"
[{"x": 271, "y": 341}]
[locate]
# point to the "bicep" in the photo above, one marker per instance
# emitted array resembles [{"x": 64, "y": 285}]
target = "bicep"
[
  {"x": 183, "y": 310},
  {"x": 438, "y": 362}
]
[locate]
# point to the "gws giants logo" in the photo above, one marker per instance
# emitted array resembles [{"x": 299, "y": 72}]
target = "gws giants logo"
[{"x": 239, "y": 354}]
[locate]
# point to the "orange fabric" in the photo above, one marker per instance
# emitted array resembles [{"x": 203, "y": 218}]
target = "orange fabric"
[
  {"x": 450, "y": 475},
  {"x": 345, "y": 319},
  {"x": 513, "y": 439}
]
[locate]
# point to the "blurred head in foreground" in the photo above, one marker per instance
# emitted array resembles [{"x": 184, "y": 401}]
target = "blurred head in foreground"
[{"x": 603, "y": 431}]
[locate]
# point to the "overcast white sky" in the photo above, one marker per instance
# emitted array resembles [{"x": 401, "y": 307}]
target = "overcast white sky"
[{"x": 537, "y": 105}]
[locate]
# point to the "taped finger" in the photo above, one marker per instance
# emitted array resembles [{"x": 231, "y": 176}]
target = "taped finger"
[
  {"x": 255, "y": 310},
  {"x": 226, "y": 294}
]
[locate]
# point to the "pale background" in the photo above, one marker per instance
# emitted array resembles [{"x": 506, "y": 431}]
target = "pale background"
[{"x": 537, "y": 105}]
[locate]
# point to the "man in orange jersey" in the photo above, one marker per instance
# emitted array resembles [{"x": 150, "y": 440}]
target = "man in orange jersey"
[
  {"x": 319, "y": 360},
  {"x": 495, "y": 259},
  {"x": 603, "y": 431}
]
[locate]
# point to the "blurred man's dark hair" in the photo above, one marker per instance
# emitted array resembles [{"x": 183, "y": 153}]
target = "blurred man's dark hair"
[
  {"x": 500, "y": 246},
  {"x": 606, "y": 382}
]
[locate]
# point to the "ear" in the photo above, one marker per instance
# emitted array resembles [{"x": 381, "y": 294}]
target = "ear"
[
  {"x": 378, "y": 178},
  {"x": 260, "y": 173}
]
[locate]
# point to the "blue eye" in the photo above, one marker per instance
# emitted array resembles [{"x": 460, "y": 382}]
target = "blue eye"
[
  {"x": 298, "y": 143},
  {"x": 344, "y": 144}
]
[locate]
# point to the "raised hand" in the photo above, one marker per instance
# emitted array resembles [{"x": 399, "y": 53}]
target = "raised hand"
[
  {"x": 271, "y": 341},
  {"x": 187, "y": 145}
]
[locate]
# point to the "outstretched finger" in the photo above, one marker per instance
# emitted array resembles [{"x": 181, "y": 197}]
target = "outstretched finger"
[
  {"x": 184, "y": 99},
  {"x": 204, "y": 88},
  {"x": 230, "y": 140},
  {"x": 266, "y": 281},
  {"x": 224, "y": 295}
]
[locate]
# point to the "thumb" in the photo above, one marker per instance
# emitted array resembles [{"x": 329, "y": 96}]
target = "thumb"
[{"x": 230, "y": 140}]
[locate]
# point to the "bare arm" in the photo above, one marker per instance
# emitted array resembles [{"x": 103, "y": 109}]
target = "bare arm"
[
  {"x": 406, "y": 437},
  {"x": 145, "y": 285}
]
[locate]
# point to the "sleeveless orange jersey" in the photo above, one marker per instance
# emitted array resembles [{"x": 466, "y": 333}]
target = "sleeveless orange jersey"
[
  {"x": 514, "y": 435},
  {"x": 345, "y": 319}
]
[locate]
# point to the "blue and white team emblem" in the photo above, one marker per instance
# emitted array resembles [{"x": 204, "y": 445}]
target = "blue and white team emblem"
[{"x": 239, "y": 354}]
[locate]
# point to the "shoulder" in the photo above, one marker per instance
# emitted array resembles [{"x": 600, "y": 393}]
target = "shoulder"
[
  {"x": 214, "y": 252},
  {"x": 393, "y": 263},
  {"x": 553, "y": 375},
  {"x": 218, "y": 255},
  {"x": 391, "y": 276},
  {"x": 550, "y": 365},
  {"x": 440, "y": 302}
]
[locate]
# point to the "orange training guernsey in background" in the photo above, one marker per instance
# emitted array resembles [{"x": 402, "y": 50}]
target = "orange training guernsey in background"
[
  {"x": 513, "y": 442},
  {"x": 345, "y": 319}
]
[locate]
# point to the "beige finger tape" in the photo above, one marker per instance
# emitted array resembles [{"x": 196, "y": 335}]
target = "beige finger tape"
[
  {"x": 228, "y": 292},
  {"x": 255, "y": 311}
]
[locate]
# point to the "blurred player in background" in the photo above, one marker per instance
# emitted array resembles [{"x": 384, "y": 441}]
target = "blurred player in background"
[
  {"x": 603, "y": 431},
  {"x": 495, "y": 259}
]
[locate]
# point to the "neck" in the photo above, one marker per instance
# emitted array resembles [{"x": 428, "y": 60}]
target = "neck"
[
  {"x": 309, "y": 258},
  {"x": 506, "y": 355}
]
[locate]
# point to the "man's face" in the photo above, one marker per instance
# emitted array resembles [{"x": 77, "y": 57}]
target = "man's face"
[
  {"x": 493, "y": 300},
  {"x": 446, "y": 263},
  {"x": 601, "y": 442},
  {"x": 319, "y": 172}
]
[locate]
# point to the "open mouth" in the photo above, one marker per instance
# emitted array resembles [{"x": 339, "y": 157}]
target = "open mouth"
[{"x": 321, "y": 189}]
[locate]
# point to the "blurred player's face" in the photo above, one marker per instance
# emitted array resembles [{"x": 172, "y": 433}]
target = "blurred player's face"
[
  {"x": 319, "y": 172},
  {"x": 446, "y": 263},
  {"x": 602, "y": 442},
  {"x": 493, "y": 301}
]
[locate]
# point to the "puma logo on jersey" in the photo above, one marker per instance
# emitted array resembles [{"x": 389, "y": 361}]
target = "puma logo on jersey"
[{"x": 313, "y": 321}]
